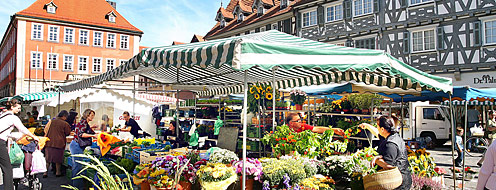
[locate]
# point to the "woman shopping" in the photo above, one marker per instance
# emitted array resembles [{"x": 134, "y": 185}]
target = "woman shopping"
[
  {"x": 392, "y": 150},
  {"x": 54, "y": 149},
  {"x": 8, "y": 120},
  {"x": 82, "y": 139}
]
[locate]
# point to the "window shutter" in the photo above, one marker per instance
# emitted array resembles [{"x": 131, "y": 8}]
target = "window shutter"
[
  {"x": 404, "y": 3},
  {"x": 320, "y": 15},
  {"x": 268, "y": 27},
  {"x": 257, "y": 30},
  {"x": 287, "y": 26},
  {"x": 440, "y": 38},
  {"x": 247, "y": 32},
  {"x": 348, "y": 43},
  {"x": 376, "y": 6},
  {"x": 477, "y": 34},
  {"x": 406, "y": 42},
  {"x": 279, "y": 25},
  {"x": 298, "y": 21},
  {"x": 347, "y": 8}
]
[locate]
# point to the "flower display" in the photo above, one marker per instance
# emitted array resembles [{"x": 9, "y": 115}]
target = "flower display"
[
  {"x": 439, "y": 170},
  {"x": 274, "y": 171},
  {"x": 297, "y": 96},
  {"x": 359, "y": 164},
  {"x": 261, "y": 95},
  {"x": 314, "y": 183},
  {"x": 469, "y": 170},
  {"x": 421, "y": 163},
  {"x": 216, "y": 176},
  {"x": 223, "y": 156},
  {"x": 421, "y": 183},
  {"x": 253, "y": 168}
]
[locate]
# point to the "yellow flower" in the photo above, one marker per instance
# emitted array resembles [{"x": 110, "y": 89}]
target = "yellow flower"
[
  {"x": 417, "y": 161},
  {"x": 422, "y": 173},
  {"x": 416, "y": 169},
  {"x": 257, "y": 96},
  {"x": 252, "y": 90},
  {"x": 268, "y": 89},
  {"x": 422, "y": 157},
  {"x": 259, "y": 89},
  {"x": 217, "y": 174},
  {"x": 268, "y": 96},
  {"x": 425, "y": 165}
]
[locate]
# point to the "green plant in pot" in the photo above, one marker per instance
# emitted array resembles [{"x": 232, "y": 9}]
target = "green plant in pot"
[
  {"x": 355, "y": 102},
  {"x": 346, "y": 105}
]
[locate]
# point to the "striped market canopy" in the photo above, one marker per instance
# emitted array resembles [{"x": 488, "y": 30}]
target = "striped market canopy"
[
  {"x": 35, "y": 96},
  {"x": 470, "y": 103},
  {"x": 219, "y": 65},
  {"x": 4, "y": 99}
]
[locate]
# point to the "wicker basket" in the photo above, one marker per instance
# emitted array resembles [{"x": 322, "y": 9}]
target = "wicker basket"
[{"x": 383, "y": 180}]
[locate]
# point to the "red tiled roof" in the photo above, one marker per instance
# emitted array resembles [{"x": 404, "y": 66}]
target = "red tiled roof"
[
  {"x": 251, "y": 19},
  {"x": 244, "y": 7},
  {"x": 142, "y": 47},
  {"x": 198, "y": 38},
  {"x": 269, "y": 2},
  {"x": 225, "y": 13},
  {"x": 86, "y": 12}
]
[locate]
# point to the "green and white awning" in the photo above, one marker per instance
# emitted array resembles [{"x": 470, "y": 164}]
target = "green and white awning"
[
  {"x": 219, "y": 65},
  {"x": 470, "y": 103},
  {"x": 35, "y": 96},
  {"x": 4, "y": 99}
]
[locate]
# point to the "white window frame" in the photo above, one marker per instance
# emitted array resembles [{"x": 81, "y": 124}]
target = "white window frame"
[
  {"x": 309, "y": 18},
  {"x": 363, "y": 8},
  {"x": 72, "y": 36},
  {"x": 483, "y": 28},
  {"x": 87, "y": 37},
  {"x": 262, "y": 29},
  {"x": 95, "y": 39},
  {"x": 40, "y": 59},
  {"x": 71, "y": 63},
  {"x": 114, "y": 40},
  {"x": 40, "y": 32},
  {"x": 127, "y": 42},
  {"x": 111, "y": 18},
  {"x": 56, "y": 34},
  {"x": 410, "y": 3},
  {"x": 49, "y": 55},
  {"x": 51, "y": 9},
  {"x": 107, "y": 63},
  {"x": 121, "y": 62},
  {"x": 79, "y": 64},
  {"x": 274, "y": 26},
  {"x": 93, "y": 64},
  {"x": 335, "y": 17},
  {"x": 423, "y": 30}
]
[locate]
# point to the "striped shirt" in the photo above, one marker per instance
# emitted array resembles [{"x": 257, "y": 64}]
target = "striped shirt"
[{"x": 8, "y": 121}]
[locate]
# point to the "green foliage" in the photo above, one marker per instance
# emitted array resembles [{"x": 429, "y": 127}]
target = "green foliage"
[{"x": 274, "y": 170}]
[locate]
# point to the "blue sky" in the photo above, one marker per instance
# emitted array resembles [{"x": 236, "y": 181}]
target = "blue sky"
[{"x": 162, "y": 21}]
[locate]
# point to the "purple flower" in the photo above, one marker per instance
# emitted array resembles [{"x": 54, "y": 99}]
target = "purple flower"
[
  {"x": 286, "y": 181},
  {"x": 266, "y": 185}
]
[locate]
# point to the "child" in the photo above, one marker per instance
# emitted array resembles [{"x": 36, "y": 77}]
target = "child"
[{"x": 459, "y": 147}]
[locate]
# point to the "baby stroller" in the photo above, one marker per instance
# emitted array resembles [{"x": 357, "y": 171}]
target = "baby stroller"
[{"x": 23, "y": 173}]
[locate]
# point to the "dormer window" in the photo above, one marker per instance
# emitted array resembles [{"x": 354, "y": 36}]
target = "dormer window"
[
  {"x": 284, "y": 3},
  {"x": 241, "y": 17},
  {"x": 51, "y": 7},
  {"x": 260, "y": 10},
  {"x": 222, "y": 23},
  {"x": 111, "y": 16}
]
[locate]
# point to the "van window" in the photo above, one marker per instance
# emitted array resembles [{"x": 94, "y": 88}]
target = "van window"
[{"x": 432, "y": 113}]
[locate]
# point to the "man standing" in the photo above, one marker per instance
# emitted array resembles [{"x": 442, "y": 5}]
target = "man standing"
[
  {"x": 35, "y": 113},
  {"x": 131, "y": 125}
]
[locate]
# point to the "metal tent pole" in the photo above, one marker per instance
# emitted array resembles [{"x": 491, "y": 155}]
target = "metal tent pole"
[
  {"x": 245, "y": 122},
  {"x": 58, "y": 104},
  {"x": 134, "y": 95},
  {"x": 177, "y": 115},
  {"x": 274, "y": 98},
  {"x": 453, "y": 134},
  {"x": 402, "y": 117},
  {"x": 464, "y": 142}
]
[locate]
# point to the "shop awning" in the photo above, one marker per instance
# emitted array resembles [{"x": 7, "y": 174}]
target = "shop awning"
[
  {"x": 300, "y": 62},
  {"x": 460, "y": 93},
  {"x": 470, "y": 103},
  {"x": 156, "y": 98},
  {"x": 35, "y": 96},
  {"x": 65, "y": 97},
  {"x": 4, "y": 99},
  {"x": 329, "y": 89}
]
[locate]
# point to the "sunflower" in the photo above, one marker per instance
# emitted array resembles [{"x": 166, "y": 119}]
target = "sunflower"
[
  {"x": 259, "y": 89},
  {"x": 268, "y": 89},
  {"x": 257, "y": 96},
  {"x": 269, "y": 96},
  {"x": 252, "y": 90},
  {"x": 416, "y": 169},
  {"x": 422, "y": 173}
]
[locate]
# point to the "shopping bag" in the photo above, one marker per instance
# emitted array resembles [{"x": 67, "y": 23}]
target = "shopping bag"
[
  {"x": 218, "y": 123},
  {"x": 38, "y": 165},
  {"x": 16, "y": 155},
  {"x": 18, "y": 172},
  {"x": 193, "y": 140}
]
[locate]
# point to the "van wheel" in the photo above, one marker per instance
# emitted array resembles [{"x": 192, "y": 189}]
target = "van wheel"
[{"x": 432, "y": 137}]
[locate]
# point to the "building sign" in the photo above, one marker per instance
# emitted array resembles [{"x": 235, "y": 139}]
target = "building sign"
[
  {"x": 74, "y": 77},
  {"x": 137, "y": 118},
  {"x": 485, "y": 79}
]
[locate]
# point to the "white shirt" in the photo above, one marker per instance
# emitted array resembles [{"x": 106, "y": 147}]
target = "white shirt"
[
  {"x": 487, "y": 173},
  {"x": 11, "y": 120}
]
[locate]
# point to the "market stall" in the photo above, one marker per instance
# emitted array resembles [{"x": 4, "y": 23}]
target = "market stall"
[{"x": 273, "y": 58}]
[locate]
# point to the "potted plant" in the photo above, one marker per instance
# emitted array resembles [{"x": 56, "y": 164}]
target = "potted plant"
[
  {"x": 298, "y": 98},
  {"x": 214, "y": 176},
  {"x": 253, "y": 171},
  {"x": 346, "y": 105},
  {"x": 354, "y": 100},
  {"x": 314, "y": 183},
  {"x": 469, "y": 173},
  {"x": 223, "y": 156}
]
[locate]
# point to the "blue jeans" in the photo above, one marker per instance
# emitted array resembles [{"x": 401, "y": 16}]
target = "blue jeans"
[
  {"x": 459, "y": 159},
  {"x": 76, "y": 167}
]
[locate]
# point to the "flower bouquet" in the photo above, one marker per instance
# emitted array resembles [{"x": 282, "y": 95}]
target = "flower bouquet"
[
  {"x": 261, "y": 95},
  {"x": 253, "y": 168},
  {"x": 359, "y": 166},
  {"x": 421, "y": 183},
  {"x": 215, "y": 176},
  {"x": 469, "y": 173},
  {"x": 421, "y": 163},
  {"x": 297, "y": 97}
]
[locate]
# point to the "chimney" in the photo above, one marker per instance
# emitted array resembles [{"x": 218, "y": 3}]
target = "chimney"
[{"x": 114, "y": 4}]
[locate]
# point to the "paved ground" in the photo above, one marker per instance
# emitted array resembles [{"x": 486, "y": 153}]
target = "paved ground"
[{"x": 442, "y": 156}]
